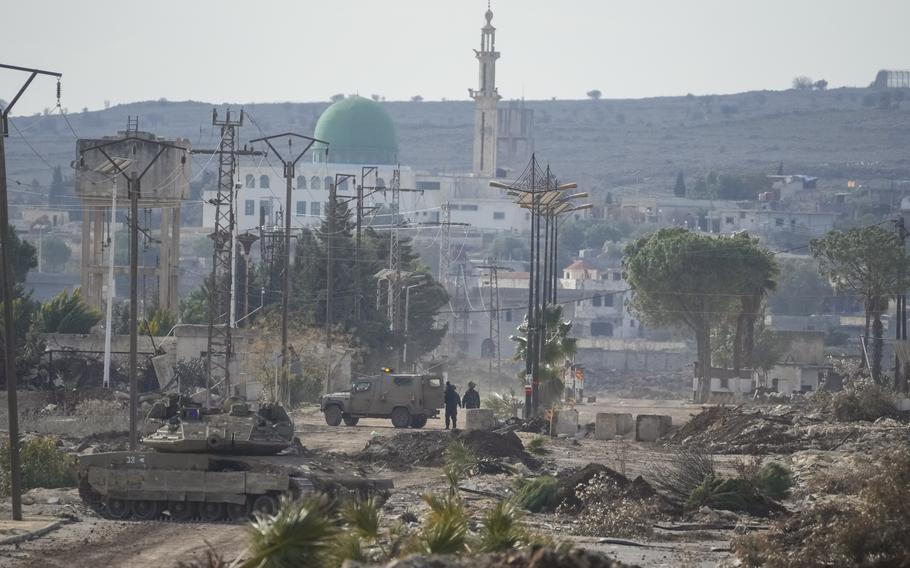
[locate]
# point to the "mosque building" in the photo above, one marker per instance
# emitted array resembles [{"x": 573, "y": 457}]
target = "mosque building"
[{"x": 363, "y": 141}]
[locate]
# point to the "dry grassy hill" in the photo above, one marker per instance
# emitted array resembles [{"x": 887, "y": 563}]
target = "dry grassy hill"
[{"x": 602, "y": 144}]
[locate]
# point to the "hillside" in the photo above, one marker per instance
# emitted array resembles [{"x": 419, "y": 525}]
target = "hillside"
[{"x": 603, "y": 145}]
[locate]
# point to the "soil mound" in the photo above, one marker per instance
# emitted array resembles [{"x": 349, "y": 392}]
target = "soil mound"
[
  {"x": 732, "y": 430},
  {"x": 407, "y": 449}
]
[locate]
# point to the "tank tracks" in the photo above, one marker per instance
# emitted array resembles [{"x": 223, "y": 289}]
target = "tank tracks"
[{"x": 188, "y": 511}]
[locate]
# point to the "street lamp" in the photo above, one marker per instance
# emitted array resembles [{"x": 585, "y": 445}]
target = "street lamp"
[{"x": 538, "y": 191}]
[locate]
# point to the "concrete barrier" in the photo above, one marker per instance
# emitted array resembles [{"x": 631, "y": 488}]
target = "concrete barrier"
[
  {"x": 608, "y": 425},
  {"x": 651, "y": 427},
  {"x": 479, "y": 419},
  {"x": 565, "y": 422}
]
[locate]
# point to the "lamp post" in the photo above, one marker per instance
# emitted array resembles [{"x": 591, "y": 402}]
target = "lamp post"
[{"x": 538, "y": 191}]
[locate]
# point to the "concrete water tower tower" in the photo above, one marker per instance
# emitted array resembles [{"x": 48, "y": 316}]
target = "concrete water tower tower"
[{"x": 163, "y": 189}]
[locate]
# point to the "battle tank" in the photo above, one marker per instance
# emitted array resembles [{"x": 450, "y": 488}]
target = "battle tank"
[{"x": 210, "y": 465}]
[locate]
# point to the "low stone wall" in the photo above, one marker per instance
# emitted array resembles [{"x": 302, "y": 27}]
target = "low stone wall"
[
  {"x": 609, "y": 425},
  {"x": 652, "y": 427}
]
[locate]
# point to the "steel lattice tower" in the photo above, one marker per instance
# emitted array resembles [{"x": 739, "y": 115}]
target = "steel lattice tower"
[
  {"x": 395, "y": 254},
  {"x": 219, "y": 348}
]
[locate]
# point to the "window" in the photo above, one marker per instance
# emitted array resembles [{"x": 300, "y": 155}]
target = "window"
[
  {"x": 265, "y": 211},
  {"x": 435, "y": 382},
  {"x": 250, "y": 181},
  {"x": 742, "y": 214},
  {"x": 328, "y": 182},
  {"x": 264, "y": 182},
  {"x": 608, "y": 300},
  {"x": 631, "y": 323},
  {"x": 468, "y": 208},
  {"x": 508, "y": 315},
  {"x": 725, "y": 383},
  {"x": 362, "y": 386},
  {"x": 301, "y": 182},
  {"x": 729, "y": 220},
  {"x": 487, "y": 349},
  {"x": 301, "y": 207},
  {"x": 315, "y": 209},
  {"x": 617, "y": 275},
  {"x": 315, "y": 183},
  {"x": 403, "y": 381},
  {"x": 597, "y": 301},
  {"x": 499, "y": 215},
  {"x": 779, "y": 222},
  {"x": 428, "y": 185},
  {"x": 602, "y": 329},
  {"x": 249, "y": 207}
]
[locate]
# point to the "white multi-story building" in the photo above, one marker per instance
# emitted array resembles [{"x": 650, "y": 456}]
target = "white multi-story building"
[{"x": 602, "y": 310}]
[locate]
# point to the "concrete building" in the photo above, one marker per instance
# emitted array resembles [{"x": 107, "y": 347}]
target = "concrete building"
[
  {"x": 163, "y": 188},
  {"x": 601, "y": 310}
]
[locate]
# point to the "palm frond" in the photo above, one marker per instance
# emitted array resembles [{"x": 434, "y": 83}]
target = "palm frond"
[
  {"x": 297, "y": 535},
  {"x": 501, "y": 528},
  {"x": 363, "y": 517},
  {"x": 446, "y": 528}
]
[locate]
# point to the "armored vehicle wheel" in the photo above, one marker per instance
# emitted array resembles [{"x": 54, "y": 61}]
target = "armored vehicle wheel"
[
  {"x": 181, "y": 510},
  {"x": 350, "y": 420},
  {"x": 333, "y": 415},
  {"x": 265, "y": 505},
  {"x": 145, "y": 510},
  {"x": 401, "y": 418},
  {"x": 238, "y": 512},
  {"x": 211, "y": 511},
  {"x": 117, "y": 509},
  {"x": 418, "y": 421}
]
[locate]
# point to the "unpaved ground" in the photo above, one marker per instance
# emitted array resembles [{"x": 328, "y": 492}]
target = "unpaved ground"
[{"x": 92, "y": 541}]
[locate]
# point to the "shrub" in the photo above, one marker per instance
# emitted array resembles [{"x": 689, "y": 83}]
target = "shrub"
[
  {"x": 731, "y": 494},
  {"x": 43, "y": 465},
  {"x": 871, "y": 531},
  {"x": 868, "y": 402},
  {"x": 686, "y": 470},
  {"x": 774, "y": 481},
  {"x": 501, "y": 529},
  {"x": 535, "y": 495},
  {"x": 67, "y": 313},
  {"x": 446, "y": 529},
  {"x": 537, "y": 446}
]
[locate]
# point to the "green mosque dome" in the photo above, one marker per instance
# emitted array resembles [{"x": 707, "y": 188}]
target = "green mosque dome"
[{"x": 359, "y": 131}]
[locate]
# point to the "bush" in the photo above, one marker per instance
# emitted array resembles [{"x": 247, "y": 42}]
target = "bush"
[
  {"x": 774, "y": 481},
  {"x": 869, "y": 402},
  {"x": 871, "y": 531},
  {"x": 535, "y": 495},
  {"x": 732, "y": 494},
  {"x": 43, "y": 465},
  {"x": 686, "y": 471}
]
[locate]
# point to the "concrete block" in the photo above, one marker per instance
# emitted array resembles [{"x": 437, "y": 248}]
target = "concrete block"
[
  {"x": 651, "y": 427},
  {"x": 565, "y": 422},
  {"x": 479, "y": 419},
  {"x": 903, "y": 404},
  {"x": 608, "y": 425}
]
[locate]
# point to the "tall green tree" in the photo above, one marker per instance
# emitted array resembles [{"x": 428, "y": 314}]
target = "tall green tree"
[
  {"x": 558, "y": 347},
  {"x": 67, "y": 313},
  {"x": 679, "y": 189},
  {"x": 870, "y": 262},
  {"x": 691, "y": 281},
  {"x": 801, "y": 290},
  {"x": 757, "y": 271}
]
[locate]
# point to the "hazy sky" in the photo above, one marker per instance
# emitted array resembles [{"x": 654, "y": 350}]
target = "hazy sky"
[{"x": 303, "y": 50}]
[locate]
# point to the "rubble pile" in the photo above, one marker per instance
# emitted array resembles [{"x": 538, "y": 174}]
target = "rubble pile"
[
  {"x": 600, "y": 501},
  {"x": 427, "y": 448},
  {"x": 783, "y": 430}
]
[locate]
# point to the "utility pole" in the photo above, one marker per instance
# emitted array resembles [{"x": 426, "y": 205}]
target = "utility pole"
[
  {"x": 901, "y": 376},
  {"x": 6, "y": 287},
  {"x": 330, "y": 261},
  {"x": 289, "y": 172},
  {"x": 395, "y": 254},
  {"x": 493, "y": 310},
  {"x": 359, "y": 197}
]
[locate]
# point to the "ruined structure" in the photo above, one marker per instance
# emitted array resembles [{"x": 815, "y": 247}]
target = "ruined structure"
[{"x": 163, "y": 189}]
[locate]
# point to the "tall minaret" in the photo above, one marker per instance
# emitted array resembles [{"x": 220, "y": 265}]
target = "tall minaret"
[{"x": 486, "y": 119}]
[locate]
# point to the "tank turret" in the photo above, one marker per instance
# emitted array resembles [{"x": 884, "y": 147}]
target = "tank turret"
[{"x": 235, "y": 429}]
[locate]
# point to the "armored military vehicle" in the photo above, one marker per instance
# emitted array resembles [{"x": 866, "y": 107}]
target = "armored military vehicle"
[
  {"x": 210, "y": 465},
  {"x": 408, "y": 400}
]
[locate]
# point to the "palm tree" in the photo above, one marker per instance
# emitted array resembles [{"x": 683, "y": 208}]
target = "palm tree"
[{"x": 557, "y": 348}]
